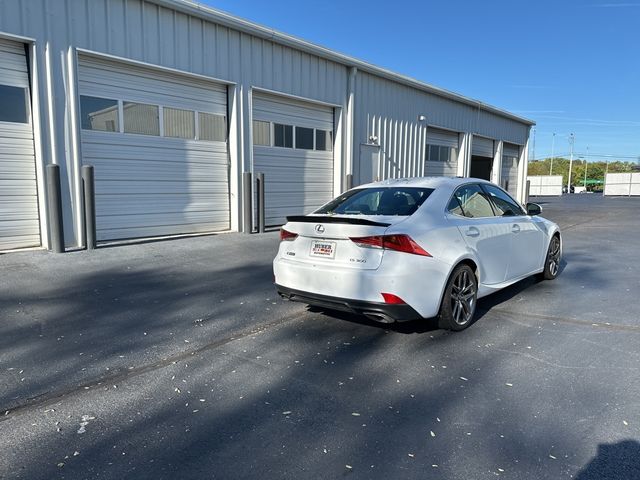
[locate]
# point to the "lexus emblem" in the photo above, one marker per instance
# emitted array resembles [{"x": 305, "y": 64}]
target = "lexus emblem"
[{"x": 319, "y": 228}]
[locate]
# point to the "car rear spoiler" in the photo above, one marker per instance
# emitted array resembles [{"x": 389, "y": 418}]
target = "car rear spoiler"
[{"x": 328, "y": 219}]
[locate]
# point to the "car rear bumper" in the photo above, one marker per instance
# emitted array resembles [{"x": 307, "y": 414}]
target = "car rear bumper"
[
  {"x": 418, "y": 281},
  {"x": 381, "y": 312}
]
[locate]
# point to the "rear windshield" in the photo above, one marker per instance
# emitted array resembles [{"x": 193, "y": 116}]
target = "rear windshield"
[{"x": 378, "y": 201}]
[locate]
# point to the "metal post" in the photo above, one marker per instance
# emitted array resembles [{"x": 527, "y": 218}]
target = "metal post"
[
  {"x": 571, "y": 141},
  {"x": 247, "y": 220},
  {"x": 553, "y": 142},
  {"x": 348, "y": 181},
  {"x": 526, "y": 193},
  {"x": 260, "y": 182},
  {"x": 89, "y": 206},
  {"x": 586, "y": 166},
  {"x": 55, "y": 208}
]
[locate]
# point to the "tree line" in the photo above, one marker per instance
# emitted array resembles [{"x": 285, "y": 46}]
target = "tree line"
[{"x": 594, "y": 170}]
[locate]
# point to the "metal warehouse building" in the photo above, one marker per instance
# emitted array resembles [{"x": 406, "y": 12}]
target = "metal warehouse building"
[{"x": 171, "y": 102}]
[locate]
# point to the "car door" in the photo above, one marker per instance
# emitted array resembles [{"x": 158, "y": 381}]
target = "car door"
[
  {"x": 487, "y": 235},
  {"x": 528, "y": 245}
]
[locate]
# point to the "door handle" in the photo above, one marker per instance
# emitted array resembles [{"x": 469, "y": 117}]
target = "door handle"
[
  {"x": 515, "y": 228},
  {"x": 472, "y": 232}
]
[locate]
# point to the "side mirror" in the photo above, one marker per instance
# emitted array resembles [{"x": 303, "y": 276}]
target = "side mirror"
[{"x": 533, "y": 209}]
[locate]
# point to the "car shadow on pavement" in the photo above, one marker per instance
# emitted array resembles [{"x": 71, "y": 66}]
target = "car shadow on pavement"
[
  {"x": 487, "y": 303},
  {"x": 99, "y": 324},
  {"x": 292, "y": 403},
  {"x": 426, "y": 325},
  {"x": 615, "y": 461},
  {"x": 422, "y": 325}
]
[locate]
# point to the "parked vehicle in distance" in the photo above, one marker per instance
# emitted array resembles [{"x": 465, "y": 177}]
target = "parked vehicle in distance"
[
  {"x": 565, "y": 190},
  {"x": 414, "y": 248}
]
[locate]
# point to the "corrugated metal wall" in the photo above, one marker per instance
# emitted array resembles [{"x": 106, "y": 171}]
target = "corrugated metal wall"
[
  {"x": 390, "y": 111},
  {"x": 148, "y": 32}
]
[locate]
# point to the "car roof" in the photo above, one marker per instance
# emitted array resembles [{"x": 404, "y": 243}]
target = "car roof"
[{"x": 424, "y": 182}]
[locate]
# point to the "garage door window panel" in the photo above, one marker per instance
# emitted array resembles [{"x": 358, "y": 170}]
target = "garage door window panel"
[
  {"x": 261, "y": 133},
  {"x": 141, "y": 118},
  {"x": 324, "y": 140},
  {"x": 439, "y": 153},
  {"x": 212, "y": 127},
  {"x": 433, "y": 153},
  {"x": 304, "y": 138},
  {"x": 179, "y": 123},
  {"x": 282, "y": 135},
  {"x": 101, "y": 114},
  {"x": 13, "y": 104}
]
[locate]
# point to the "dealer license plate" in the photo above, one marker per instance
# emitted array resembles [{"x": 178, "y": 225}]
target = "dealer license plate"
[{"x": 322, "y": 248}]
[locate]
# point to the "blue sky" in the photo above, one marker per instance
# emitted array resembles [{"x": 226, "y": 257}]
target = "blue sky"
[{"x": 571, "y": 66}]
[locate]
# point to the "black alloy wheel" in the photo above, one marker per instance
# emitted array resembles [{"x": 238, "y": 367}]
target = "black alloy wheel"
[
  {"x": 552, "y": 263},
  {"x": 460, "y": 298}
]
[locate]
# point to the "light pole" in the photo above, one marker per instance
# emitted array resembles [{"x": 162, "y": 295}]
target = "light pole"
[
  {"x": 571, "y": 141},
  {"x": 585, "y": 168},
  {"x": 553, "y": 141}
]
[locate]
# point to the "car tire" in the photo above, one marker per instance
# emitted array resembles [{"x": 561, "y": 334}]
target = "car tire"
[
  {"x": 552, "y": 260},
  {"x": 459, "y": 300}
]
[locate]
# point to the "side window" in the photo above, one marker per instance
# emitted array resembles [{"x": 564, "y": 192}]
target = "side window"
[
  {"x": 505, "y": 205},
  {"x": 455, "y": 207},
  {"x": 470, "y": 201}
]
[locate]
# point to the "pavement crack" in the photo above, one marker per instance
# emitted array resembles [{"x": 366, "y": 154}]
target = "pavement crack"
[
  {"x": 577, "y": 224},
  {"x": 542, "y": 360},
  {"x": 572, "y": 321}
]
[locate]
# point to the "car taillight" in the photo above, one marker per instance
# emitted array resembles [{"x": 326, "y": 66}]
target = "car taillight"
[
  {"x": 392, "y": 299},
  {"x": 399, "y": 243},
  {"x": 287, "y": 236}
]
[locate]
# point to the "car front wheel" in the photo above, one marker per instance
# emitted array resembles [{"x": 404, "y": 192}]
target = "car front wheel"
[
  {"x": 552, "y": 262},
  {"x": 459, "y": 301}
]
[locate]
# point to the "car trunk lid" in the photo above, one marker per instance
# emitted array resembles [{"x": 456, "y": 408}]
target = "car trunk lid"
[{"x": 325, "y": 240}]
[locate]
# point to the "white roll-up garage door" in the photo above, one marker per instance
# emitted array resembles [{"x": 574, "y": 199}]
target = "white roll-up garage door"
[
  {"x": 293, "y": 147},
  {"x": 510, "y": 159},
  {"x": 19, "y": 219},
  {"x": 158, "y": 142},
  {"x": 482, "y": 147},
  {"x": 442, "y": 152}
]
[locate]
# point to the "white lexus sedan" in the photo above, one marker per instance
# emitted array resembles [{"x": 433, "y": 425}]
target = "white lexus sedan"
[{"x": 414, "y": 248}]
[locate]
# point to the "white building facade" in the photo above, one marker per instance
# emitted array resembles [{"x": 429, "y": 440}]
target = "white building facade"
[{"x": 171, "y": 102}]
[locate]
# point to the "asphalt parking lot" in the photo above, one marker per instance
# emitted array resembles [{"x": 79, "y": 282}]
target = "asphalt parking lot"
[{"x": 175, "y": 359}]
